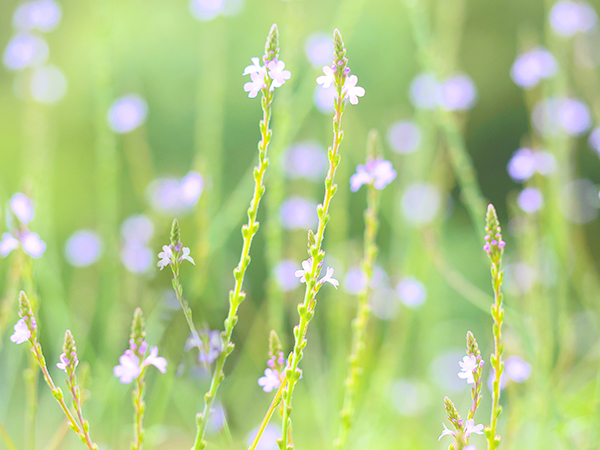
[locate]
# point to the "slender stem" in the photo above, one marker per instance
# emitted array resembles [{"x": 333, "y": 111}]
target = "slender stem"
[
  {"x": 10, "y": 445},
  {"x": 77, "y": 404},
  {"x": 359, "y": 325},
  {"x": 187, "y": 311},
  {"x": 306, "y": 309},
  {"x": 139, "y": 406},
  {"x": 236, "y": 296},
  {"x": 497, "y": 364},
  {"x": 272, "y": 407}
]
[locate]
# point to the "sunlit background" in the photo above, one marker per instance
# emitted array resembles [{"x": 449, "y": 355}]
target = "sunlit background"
[{"x": 117, "y": 116}]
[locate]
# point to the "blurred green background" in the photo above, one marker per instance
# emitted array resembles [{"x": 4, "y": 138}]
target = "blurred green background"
[{"x": 82, "y": 175}]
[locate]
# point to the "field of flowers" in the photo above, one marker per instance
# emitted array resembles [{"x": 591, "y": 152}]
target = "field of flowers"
[{"x": 277, "y": 225}]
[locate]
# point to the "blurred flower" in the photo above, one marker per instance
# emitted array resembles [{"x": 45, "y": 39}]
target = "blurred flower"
[
  {"x": 443, "y": 371},
  {"x": 404, "y": 137},
  {"x": 21, "y": 334},
  {"x": 328, "y": 79},
  {"x": 42, "y": 14},
  {"x": 491, "y": 377},
  {"x": 137, "y": 228},
  {"x": 319, "y": 48},
  {"x": 594, "y": 140},
  {"x": 568, "y": 17},
  {"x": 285, "y": 275},
  {"x": 525, "y": 162},
  {"x": 410, "y": 397},
  {"x": 29, "y": 241},
  {"x": 530, "y": 200},
  {"x": 545, "y": 163},
  {"x": 519, "y": 278},
  {"x": 25, "y": 50},
  {"x": 127, "y": 113},
  {"x": 422, "y": 92},
  {"x": 209, "y": 344},
  {"x": 305, "y": 160},
  {"x": 560, "y": 113},
  {"x": 83, "y": 248},
  {"x": 516, "y": 369},
  {"x": 174, "y": 196},
  {"x": 411, "y": 292},
  {"x": 48, "y": 84},
  {"x": 351, "y": 90},
  {"x": 22, "y": 207},
  {"x": 354, "y": 281},
  {"x": 579, "y": 201},
  {"x": 384, "y": 303},
  {"x": 307, "y": 268},
  {"x": 217, "y": 419},
  {"x": 278, "y": 73},
  {"x": 298, "y": 213},
  {"x": 467, "y": 367},
  {"x": 457, "y": 93},
  {"x": 532, "y": 67},
  {"x": 206, "y": 9},
  {"x": 421, "y": 203},
  {"x": 379, "y": 172},
  {"x": 173, "y": 254},
  {"x": 268, "y": 439},
  {"x": 325, "y": 98},
  {"x": 270, "y": 381},
  {"x": 136, "y": 257}
]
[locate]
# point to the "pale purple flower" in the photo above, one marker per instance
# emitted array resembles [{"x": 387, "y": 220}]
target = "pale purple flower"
[
  {"x": 22, "y": 207},
  {"x": 351, "y": 90},
  {"x": 256, "y": 85},
  {"x": 404, "y": 137},
  {"x": 411, "y": 292},
  {"x": 209, "y": 344},
  {"x": 21, "y": 334},
  {"x": 32, "y": 244},
  {"x": 354, "y": 280},
  {"x": 421, "y": 203},
  {"x": 270, "y": 381},
  {"x": 267, "y": 440},
  {"x": 446, "y": 432},
  {"x": 305, "y": 160},
  {"x": 422, "y": 92},
  {"x": 284, "y": 274},
  {"x": 127, "y": 113},
  {"x": 65, "y": 361},
  {"x": 532, "y": 67},
  {"x": 167, "y": 256},
  {"x": 8, "y": 244},
  {"x": 530, "y": 200},
  {"x": 137, "y": 257},
  {"x": 545, "y": 163},
  {"x": 467, "y": 367},
  {"x": 25, "y": 50},
  {"x": 41, "y": 14},
  {"x": 138, "y": 228},
  {"x": 328, "y": 78},
  {"x": 298, "y": 213},
  {"x": 568, "y": 17},
  {"x": 306, "y": 269},
  {"x": 521, "y": 165},
  {"x": 594, "y": 140},
  {"x": 516, "y": 369},
  {"x": 325, "y": 99},
  {"x": 379, "y": 172},
  {"x": 255, "y": 67},
  {"x": 318, "y": 49},
  {"x": 83, "y": 248},
  {"x": 48, "y": 84},
  {"x": 470, "y": 428},
  {"x": 278, "y": 73},
  {"x": 457, "y": 93},
  {"x": 492, "y": 376},
  {"x": 206, "y": 9},
  {"x": 561, "y": 113},
  {"x": 157, "y": 361},
  {"x": 190, "y": 188},
  {"x": 174, "y": 196},
  {"x": 129, "y": 367}
]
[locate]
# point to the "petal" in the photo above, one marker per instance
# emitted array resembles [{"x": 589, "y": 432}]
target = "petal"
[{"x": 8, "y": 244}]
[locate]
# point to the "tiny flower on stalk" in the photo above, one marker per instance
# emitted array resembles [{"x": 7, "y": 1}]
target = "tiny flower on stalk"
[
  {"x": 306, "y": 269},
  {"x": 22, "y": 333},
  {"x": 494, "y": 245},
  {"x": 20, "y": 212},
  {"x": 470, "y": 428},
  {"x": 26, "y": 326},
  {"x": 379, "y": 172},
  {"x": 276, "y": 365},
  {"x": 468, "y": 366},
  {"x": 353, "y": 91},
  {"x": 175, "y": 252}
]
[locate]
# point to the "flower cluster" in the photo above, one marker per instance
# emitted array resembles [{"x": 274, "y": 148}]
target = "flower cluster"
[
  {"x": 26, "y": 326},
  {"x": 271, "y": 75},
  {"x": 379, "y": 172},
  {"x": 21, "y": 212},
  {"x": 131, "y": 365},
  {"x": 173, "y": 254},
  {"x": 530, "y": 68},
  {"x": 209, "y": 344},
  {"x": 307, "y": 268},
  {"x": 274, "y": 373},
  {"x": 68, "y": 359},
  {"x": 494, "y": 245},
  {"x": 350, "y": 90}
]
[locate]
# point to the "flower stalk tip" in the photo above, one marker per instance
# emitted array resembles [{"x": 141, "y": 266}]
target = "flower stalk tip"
[{"x": 272, "y": 45}]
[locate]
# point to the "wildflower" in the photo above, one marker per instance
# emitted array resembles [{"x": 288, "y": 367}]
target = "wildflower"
[
  {"x": 270, "y": 381},
  {"x": 318, "y": 48},
  {"x": 470, "y": 428},
  {"x": 25, "y": 50},
  {"x": 129, "y": 367},
  {"x": 404, "y": 137},
  {"x": 127, "y": 113},
  {"x": 173, "y": 195},
  {"x": 328, "y": 79},
  {"x": 255, "y": 67},
  {"x": 351, "y": 90},
  {"x": 532, "y": 67},
  {"x": 494, "y": 245},
  {"x": 284, "y": 274},
  {"x": 209, "y": 344},
  {"x": 83, "y": 248},
  {"x": 457, "y": 93},
  {"x": 411, "y": 292},
  {"x": 173, "y": 254},
  {"x": 65, "y": 362},
  {"x": 306, "y": 269},
  {"x": 277, "y": 73},
  {"x": 256, "y": 85},
  {"x": 517, "y": 369},
  {"x": 22, "y": 332},
  {"x": 530, "y": 200},
  {"x": 568, "y": 18},
  {"x": 298, "y": 213},
  {"x": 468, "y": 366},
  {"x": 29, "y": 241},
  {"x": 379, "y": 172},
  {"x": 22, "y": 207},
  {"x": 41, "y": 14}
]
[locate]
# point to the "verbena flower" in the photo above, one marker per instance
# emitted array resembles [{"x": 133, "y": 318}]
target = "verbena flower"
[
  {"x": 467, "y": 367},
  {"x": 22, "y": 332},
  {"x": 470, "y": 428},
  {"x": 256, "y": 85},
  {"x": 353, "y": 91},
  {"x": 277, "y": 73},
  {"x": 127, "y": 113},
  {"x": 23, "y": 211},
  {"x": 259, "y": 76},
  {"x": 328, "y": 79},
  {"x": 172, "y": 254},
  {"x": 130, "y": 368},
  {"x": 22, "y": 207},
  {"x": 65, "y": 362},
  {"x": 209, "y": 344},
  {"x": 532, "y": 67},
  {"x": 271, "y": 380},
  {"x": 568, "y": 17},
  {"x": 306, "y": 269},
  {"x": 379, "y": 172}
]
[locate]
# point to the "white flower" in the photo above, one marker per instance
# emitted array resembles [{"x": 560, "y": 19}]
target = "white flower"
[
  {"x": 21, "y": 334},
  {"x": 129, "y": 368},
  {"x": 168, "y": 257},
  {"x": 270, "y": 381},
  {"x": 467, "y": 367},
  {"x": 328, "y": 79},
  {"x": 307, "y": 267},
  {"x": 255, "y": 67},
  {"x": 446, "y": 432},
  {"x": 277, "y": 73},
  {"x": 8, "y": 244},
  {"x": 22, "y": 206},
  {"x": 471, "y": 428},
  {"x": 31, "y": 243},
  {"x": 253, "y": 87},
  {"x": 353, "y": 91},
  {"x": 157, "y": 361}
]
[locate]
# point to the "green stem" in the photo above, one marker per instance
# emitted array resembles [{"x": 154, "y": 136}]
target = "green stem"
[
  {"x": 274, "y": 404},
  {"x": 139, "y": 406},
  {"x": 72, "y": 384},
  {"x": 236, "y": 296},
  {"x": 10, "y": 445},
  {"x": 187, "y": 311},
  {"x": 359, "y": 325},
  {"x": 496, "y": 359}
]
